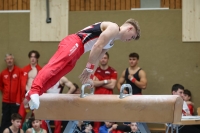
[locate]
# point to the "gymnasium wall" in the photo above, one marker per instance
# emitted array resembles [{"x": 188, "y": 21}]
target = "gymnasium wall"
[{"x": 164, "y": 57}]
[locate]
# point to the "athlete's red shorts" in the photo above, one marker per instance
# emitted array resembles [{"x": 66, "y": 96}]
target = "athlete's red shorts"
[{"x": 62, "y": 62}]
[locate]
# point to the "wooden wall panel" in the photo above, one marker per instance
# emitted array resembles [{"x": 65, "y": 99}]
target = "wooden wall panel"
[
  {"x": 19, "y": 4},
  {"x": 97, "y": 5},
  {"x": 172, "y": 4},
  {"x": 113, "y": 5},
  {"x": 72, "y": 5},
  {"x": 128, "y": 4},
  {"x": 10, "y": 3},
  {"x": 123, "y": 5},
  {"x": 103, "y": 5},
  {"x": 82, "y": 5},
  {"x": 178, "y": 4},
  {"x": 54, "y": 31},
  {"x": 164, "y": 3},
  {"x": 78, "y": 5},
  {"x": 15, "y": 5},
  {"x": 1, "y": 4},
  {"x": 87, "y": 5},
  {"x": 137, "y": 3},
  {"x": 191, "y": 21},
  {"x": 28, "y": 4},
  {"x": 133, "y": 3},
  {"x": 92, "y": 5},
  {"x": 24, "y": 4},
  {"x": 5, "y": 5},
  {"x": 117, "y": 4},
  {"x": 107, "y": 4}
]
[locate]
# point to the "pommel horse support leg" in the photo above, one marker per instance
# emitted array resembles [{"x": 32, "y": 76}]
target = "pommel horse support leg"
[{"x": 131, "y": 108}]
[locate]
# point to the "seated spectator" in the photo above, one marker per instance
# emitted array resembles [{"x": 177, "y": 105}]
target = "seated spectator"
[
  {"x": 86, "y": 127},
  {"x": 26, "y": 125},
  {"x": 105, "y": 128},
  {"x": 128, "y": 128},
  {"x": 78, "y": 127},
  {"x": 16, "y": 123},
  {"x": 187, "y": 96},
  {"x": 178, "y": 89},
  {"x": 134, "y": 127},
  {"x": 122, "y": 128},
  {"x": 108, "y": 128},
  {"x": 36, "y": 127}
]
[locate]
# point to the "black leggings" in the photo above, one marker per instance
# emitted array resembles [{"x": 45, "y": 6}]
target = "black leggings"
[
  {"x": 7, "y": 110},
  {"x": 190, "y": 129}
]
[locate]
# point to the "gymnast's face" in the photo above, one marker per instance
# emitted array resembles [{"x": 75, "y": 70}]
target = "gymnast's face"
[{"x": 128, "y": 33}]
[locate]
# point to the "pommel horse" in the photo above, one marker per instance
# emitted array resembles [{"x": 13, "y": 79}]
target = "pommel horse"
[{"x": 113, "y": 108}]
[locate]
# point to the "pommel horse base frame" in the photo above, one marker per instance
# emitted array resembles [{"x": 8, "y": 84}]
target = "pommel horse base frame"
[{"x": 113, "y": 108}]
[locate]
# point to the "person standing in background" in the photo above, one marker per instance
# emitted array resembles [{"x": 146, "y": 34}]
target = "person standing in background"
[
  {"x": 10, "y": 86},
  {"x": 133, "y": 75},
  {"x": 28, "y": 74},
  {"x": 105, "y": 78}
]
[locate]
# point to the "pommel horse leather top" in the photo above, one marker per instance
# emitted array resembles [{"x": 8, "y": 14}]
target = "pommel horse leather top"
[{"x": 134, "y": 108}]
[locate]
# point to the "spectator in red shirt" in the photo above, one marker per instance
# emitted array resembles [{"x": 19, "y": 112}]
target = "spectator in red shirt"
[
  {"x": 105, "y": 77},
  {"x": 11, "y": 91},
  {"x": 104, "y": 81}
]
